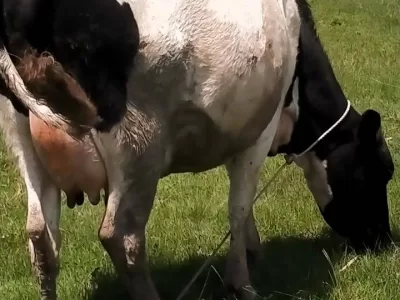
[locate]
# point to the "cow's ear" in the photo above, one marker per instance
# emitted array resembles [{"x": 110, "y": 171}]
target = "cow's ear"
[{"x": 369, "y": 127}]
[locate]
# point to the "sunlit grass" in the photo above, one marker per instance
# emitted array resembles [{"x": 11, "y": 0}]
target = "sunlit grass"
[{"x": 302, "y": 260}]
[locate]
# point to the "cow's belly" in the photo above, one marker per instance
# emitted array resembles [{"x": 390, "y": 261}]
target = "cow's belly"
[
  {"x": 207, "y": 132},
  {"x": 73, "y": 166},
  {"x": 200, "y": 143}
]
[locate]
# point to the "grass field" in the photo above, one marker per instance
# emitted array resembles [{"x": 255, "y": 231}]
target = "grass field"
[{"x": 189, "y": 218}]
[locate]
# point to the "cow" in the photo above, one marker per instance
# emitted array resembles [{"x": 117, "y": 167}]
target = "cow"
[{"x": 144, "y": 90}]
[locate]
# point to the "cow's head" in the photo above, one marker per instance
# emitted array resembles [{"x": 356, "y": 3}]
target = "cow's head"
[
  {"x": 353, "y": 186},
  {"x": 358, "y": 173},
  {"x": 347, "y": 172}
]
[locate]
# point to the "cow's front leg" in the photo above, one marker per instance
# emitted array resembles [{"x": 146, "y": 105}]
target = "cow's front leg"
[
  {"x": 243, "y": 177},
  {"x": 244, "y": 173}
]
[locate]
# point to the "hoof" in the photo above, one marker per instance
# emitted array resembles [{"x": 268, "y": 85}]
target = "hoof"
[{"x": 246, "y": 292}]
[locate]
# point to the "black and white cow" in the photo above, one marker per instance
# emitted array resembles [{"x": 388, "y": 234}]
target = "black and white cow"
[{"x": 147, "y": 89}]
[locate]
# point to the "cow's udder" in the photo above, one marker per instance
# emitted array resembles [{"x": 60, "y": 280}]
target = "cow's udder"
[{"x": 73, "y": 165}]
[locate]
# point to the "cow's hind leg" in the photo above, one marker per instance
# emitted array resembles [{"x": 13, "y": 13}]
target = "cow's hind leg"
[
  {"x": 43, "y": 200},
  {"x": 43, "y": 231},
  {"x": 122, "y": 234},
  {"x": 244, "y": 171},
  {"x": 132, "y": 187}
]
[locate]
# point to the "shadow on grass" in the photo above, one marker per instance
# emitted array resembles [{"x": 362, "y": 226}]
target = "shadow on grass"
[
  {"x": 291, "y": 268},
  {"x": 396, "y": 235}
]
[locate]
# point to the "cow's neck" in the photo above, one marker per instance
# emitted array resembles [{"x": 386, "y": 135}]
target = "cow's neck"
[
  {"x": 320, "y": 116},
  {"x": 321, "y": 101}
]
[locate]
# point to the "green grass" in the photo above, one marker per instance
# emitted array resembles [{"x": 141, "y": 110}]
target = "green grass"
[{"x": 189, "y": 217}]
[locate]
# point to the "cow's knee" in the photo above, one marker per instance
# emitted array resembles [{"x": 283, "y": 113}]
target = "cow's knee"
[
  {"x": 107, "y": 233},
  {"x": 35, "y": 225},
  {"x": 36, "y": 230},
  {"x": 44, "y": 258}
]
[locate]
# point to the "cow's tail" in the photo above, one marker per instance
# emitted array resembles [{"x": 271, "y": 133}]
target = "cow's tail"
[{"x": 53, "y": 95}]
